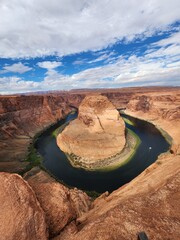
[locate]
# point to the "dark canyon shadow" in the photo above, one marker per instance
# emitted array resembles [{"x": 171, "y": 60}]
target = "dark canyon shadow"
[{"x": 152, "y": 144}]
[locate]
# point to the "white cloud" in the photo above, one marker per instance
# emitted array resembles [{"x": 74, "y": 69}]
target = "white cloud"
[
  {"x": 157, "y": 67},
  {"x": 173, "y": 39},
  {"x": 51, "y": 74},
  {"x": 78, "y": 62},
  {"x": 102, "y": 57},
  {"x": 14, "y": 84},
  {"x": 15, "y": 68},
  {"x": 37, "y": 28},
  {"x": 49, "y": 64}
]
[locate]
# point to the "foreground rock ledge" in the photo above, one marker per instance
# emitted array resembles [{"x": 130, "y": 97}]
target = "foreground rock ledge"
[
  {"x": 148, "y": 203},
  {"x": 97, "y": 133},
  {"x": 21, "y": 217},
  {"x": 60, "y": 204}
]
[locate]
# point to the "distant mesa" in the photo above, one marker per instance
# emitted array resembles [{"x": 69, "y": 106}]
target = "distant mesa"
[{"x": 98, "y": 132}]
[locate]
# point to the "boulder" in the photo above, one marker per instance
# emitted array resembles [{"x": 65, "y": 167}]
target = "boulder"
[
  {"x": 60, "y": 204},
  {"x": 21, "y": 217}
]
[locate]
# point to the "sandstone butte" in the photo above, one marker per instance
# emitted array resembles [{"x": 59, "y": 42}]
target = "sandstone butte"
[{"x": 97, "y": 133}]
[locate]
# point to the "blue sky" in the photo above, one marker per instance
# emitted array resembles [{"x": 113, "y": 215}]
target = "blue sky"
[{"x": 66, "y": 44}]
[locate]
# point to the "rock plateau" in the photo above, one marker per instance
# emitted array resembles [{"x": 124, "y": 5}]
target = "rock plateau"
[{"x": 97, "y": 133}]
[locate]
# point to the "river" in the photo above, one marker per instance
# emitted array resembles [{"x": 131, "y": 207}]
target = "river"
[{"x": 55, "y": 161}]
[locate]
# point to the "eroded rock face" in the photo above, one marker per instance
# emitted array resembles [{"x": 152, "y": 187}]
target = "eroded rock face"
[
  {"x": 162, "y": 109},
  {"x": 60, "y": 204},
  {"x": 162, "y": 105},
  {"x": 97, "y": 133},
  {"x": 21, "y": 117},
  {"x": 148, "y": 203},
  {"x": 21, "y": 217}
]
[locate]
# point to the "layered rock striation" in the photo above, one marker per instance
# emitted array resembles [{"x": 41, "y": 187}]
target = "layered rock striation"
[
  {"x": 162, "y": 109},
  {"x": 97, "y": 133},
  {"x": 21, "y": 117}
]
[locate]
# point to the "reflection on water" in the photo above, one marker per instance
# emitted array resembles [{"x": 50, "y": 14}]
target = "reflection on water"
[{"x": 152, "y": 144}]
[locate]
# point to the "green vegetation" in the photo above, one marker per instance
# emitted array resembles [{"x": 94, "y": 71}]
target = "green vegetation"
[
  {"x": 73, "y": 112},
  {"x": 34, "y": 159},
  {"x": 93, "y": 194},
  {"x": 58, "y": 130},
  {"x": 128, "y": 121}
]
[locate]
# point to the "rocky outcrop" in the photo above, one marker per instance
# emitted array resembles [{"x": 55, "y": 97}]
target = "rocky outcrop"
[
  {"x": 60, "y": 204},
  {"x": 148, "y": 203},
  {"x": 97, "y": 133},
  {"x": 158, "y": 105},
  {"x": 160, "y": 108},
  {"x": 119, "y": 98},
  {"x": 21, "y": 117},
  {"x": 21, "y": 217}
]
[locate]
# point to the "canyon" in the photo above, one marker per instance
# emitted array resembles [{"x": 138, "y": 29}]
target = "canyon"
[
  {"x": 148, "y": 203},
  {"x": 22, "y": 117}
]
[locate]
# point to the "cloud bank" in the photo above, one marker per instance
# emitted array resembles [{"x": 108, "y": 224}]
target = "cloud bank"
[
  {"x": 38, "y": 28},
  {"x": 65, "y": 44},
  {"x": 156, "y": 67},
  {"x": 15, "y": 68}
]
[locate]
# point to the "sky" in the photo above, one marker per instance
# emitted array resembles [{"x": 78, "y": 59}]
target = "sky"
[{"x": 73, "y": 44}]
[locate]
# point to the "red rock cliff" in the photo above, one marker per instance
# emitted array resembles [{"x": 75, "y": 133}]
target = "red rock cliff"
[{"x": 22, "y": 117}]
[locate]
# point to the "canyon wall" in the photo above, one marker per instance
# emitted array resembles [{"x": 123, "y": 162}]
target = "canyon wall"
[
  {"x": 21, "y": 117},
  {"x": 160, "y": 108}
]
